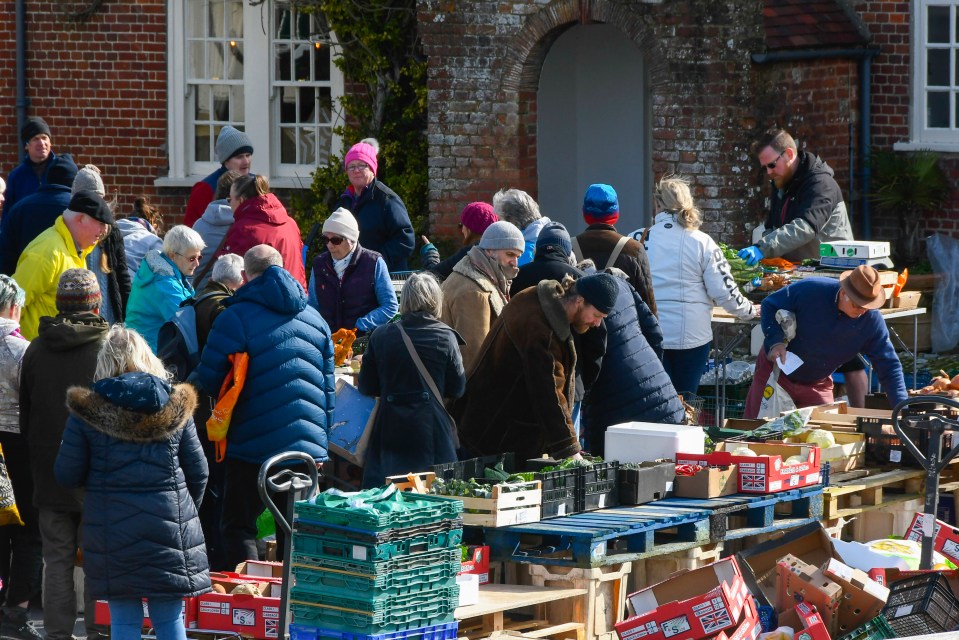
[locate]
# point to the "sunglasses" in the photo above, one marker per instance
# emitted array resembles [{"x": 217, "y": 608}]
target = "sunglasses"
[
  {"x": 772, "y": 165},
  {"x": 335, "y": 240}
]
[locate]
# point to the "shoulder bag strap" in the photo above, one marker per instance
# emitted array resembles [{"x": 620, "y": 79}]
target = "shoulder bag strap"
[
  {"x": 209, "y": 265},
  {"x": 429, "y": 381},
  {"x": 576, "y": 250},
  {"x": 616, "y": 251}
]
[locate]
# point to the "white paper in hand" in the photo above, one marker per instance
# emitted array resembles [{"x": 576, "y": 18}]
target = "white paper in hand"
[{"x": 792, "y": 363}]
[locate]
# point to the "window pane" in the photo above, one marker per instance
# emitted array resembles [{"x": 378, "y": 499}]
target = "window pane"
[
  {"x": 235, "y": 19},
  {"x": 215, "y": 60},
  {"x": 937, "y": 109},
  {"x": 321, "y": 62},
  {"x": 221, "y": 103},
  {"x": 239, "y": 104},
  {"x": 235, "y": 60},
  {"x": 288, "y": 145},
  {"x": 288, "y": 105},
  {"x": 282, "y": 60},
  {"x": 307, "y": 106},
  {"x": 307, "y": 146},
  {"x": 938, "y": 24},
  {"x": 283, "y": 17},
  {"x": 215, "y": 23},
  {"x": 202, "y": 101},
  {"x": 196, "y": 66},
  {"x": 198, "y": 20},
  {"x": 937, "y": 67},
  {"x": 301, "y": 63},
  {"x": 325, "y": 106},
  {"x": 201, "y": 144},
  {"x": 323, "y": 144}
]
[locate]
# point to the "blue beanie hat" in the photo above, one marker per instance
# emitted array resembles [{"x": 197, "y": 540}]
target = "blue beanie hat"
[
  {"x": 601, "y": 204},
  {"x": 599, "y": 290},
  {"x": 554, "y": 235}
]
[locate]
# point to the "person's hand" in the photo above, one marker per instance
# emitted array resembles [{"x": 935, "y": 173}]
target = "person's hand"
[
  {"x": 778, "y": 352},
  {"x": 576, "y": 456},
  {"x": 757, "y": 309},
  {"x": 752, "y": 255}
]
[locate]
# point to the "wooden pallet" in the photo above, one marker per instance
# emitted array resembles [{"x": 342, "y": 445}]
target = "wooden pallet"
[
  {"x": 741, "y": 515},
  {"x": 850, "y": 494},
  {"x": 489, "y": 615},
  {"x": 601, "y": 538}
]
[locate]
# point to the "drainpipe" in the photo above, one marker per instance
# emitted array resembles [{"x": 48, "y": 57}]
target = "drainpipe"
[
  {"x": 864, "y": 56},
  {"x": 21, "y": 53}
]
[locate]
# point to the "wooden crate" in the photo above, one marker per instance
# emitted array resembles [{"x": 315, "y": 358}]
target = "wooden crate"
[
  {"x": 849, "y": 497},
  {"x": 603, "y": 605},
  {"x": 504, "y": 508},
  {"x": 847, "y": 454},
  {"x": 658, "y": 568}
]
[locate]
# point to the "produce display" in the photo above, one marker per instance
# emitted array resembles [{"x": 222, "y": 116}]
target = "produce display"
[
  {"x": 942, "y": 385},
  {"x": 741, "y": 272}
]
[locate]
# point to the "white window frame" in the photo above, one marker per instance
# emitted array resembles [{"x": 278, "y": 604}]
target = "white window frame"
[
  {"x": 259, "y": 99},
  {"x": 921, "y": 136}
]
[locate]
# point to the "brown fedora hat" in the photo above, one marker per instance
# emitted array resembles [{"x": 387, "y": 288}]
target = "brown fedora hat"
[{"x": 862, "y": 286}]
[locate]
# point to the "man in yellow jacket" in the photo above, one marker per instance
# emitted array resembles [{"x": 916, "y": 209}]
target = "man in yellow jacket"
[{"x": 63, "y": 246}]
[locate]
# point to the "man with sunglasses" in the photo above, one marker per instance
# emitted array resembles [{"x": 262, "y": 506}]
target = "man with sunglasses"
[{"x": 806, "y": 205}]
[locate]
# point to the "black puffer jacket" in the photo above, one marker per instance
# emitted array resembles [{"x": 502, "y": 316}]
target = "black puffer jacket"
[
  {"x": 632, "y": 385},
  {"x": 130, "y": 441}
]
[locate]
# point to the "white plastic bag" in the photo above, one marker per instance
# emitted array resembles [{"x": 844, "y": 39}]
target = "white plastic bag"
[{"x": 775, "y": 399}]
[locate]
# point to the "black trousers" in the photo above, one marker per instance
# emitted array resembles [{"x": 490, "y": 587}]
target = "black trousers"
[
  {"x": 26, "y": 551},
  {"x": 241, "y": 507}
]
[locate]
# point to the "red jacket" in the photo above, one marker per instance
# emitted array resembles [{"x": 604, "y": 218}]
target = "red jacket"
[{"x": 264, "y": 220}]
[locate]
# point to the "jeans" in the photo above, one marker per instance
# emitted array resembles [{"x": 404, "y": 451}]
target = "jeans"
[
  {"x": 685, "y": 367},
  {"x": 60, "y": 534},
  {"x": 166, "y": 615}
]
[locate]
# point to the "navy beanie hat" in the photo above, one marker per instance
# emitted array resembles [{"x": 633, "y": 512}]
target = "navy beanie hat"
[
  {"x": 599, "y": 290},
  {"x": 554, "y": 235},
  {"x": 33, "y": 127}
]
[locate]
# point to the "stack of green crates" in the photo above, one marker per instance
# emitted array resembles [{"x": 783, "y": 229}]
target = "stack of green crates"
[{"x": 375, "y": 562}]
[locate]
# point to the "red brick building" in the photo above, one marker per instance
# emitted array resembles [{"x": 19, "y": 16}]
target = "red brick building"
[{"x": 545, "y": 96}]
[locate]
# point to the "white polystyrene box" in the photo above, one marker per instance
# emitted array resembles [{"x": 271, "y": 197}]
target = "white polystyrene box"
[{"x": 641, "y": 441}]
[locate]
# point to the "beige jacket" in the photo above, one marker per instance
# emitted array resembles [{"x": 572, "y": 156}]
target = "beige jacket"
[{"x": 470, "y": 304}]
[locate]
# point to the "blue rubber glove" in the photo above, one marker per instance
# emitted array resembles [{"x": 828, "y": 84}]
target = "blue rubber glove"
[{"x": 751, "y": 255}]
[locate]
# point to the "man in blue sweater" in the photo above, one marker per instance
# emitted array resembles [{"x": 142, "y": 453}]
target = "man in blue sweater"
[{"x": 835, "y": 320}]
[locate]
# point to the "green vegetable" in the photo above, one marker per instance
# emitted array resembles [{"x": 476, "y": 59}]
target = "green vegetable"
[
  {"x": 741, "y": 272},
  {"x": 496, "y": 473}
]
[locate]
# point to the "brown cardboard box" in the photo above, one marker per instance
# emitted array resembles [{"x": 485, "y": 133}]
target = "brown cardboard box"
[
  {"x": 806, "y": 618},
  {"x": 798, "y": 581},
  {"x": 710, "y": 482},
  {"x": 862, "y": 597}
]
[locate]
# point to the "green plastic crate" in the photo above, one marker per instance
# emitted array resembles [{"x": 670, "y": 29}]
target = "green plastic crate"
[
  {"x": 336, "y": 549},
  {"x": 875, "y": 629},
  {"x": 434, "y": 570},
  {"x": 395, "y": 613},
  {"x": 416, "y": 509}
]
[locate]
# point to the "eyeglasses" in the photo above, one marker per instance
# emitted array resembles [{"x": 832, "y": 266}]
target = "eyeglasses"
[
  {"x": 195, "y": 258},
  {"x": 335, "y": 240},
  {"x": 357, "y": 168},
  {"x": 459, "y": 225},
  {"x": 772, "y": 165}
]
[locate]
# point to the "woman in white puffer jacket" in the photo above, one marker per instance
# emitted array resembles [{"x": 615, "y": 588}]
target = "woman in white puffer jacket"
[{"x": 690, "y": 277}]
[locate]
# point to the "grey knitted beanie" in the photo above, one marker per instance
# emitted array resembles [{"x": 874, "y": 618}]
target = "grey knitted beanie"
[
  {"x": 502, "y": 235},
  {"x": 231, "y": 142}
]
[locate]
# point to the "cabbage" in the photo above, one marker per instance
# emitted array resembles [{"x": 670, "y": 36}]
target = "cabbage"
[
  {"x": 821, "y": 438},
  {"x": 791, "y": 460},
  {"x": 744, "y": 451}
]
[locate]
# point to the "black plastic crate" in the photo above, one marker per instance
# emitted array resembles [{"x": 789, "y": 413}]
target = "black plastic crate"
[
  {"x": 599, "y": 481},
  {"x": 560, "y": 491},
  {"x": 922, "y": 604},
  {"x": 474, "y": 467},
  {"x": 884, "y": 448},
  {"x": 650, "y": 482}
]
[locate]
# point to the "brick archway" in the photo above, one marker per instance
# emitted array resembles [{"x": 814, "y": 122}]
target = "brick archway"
[{"x": 528, "y": 50}]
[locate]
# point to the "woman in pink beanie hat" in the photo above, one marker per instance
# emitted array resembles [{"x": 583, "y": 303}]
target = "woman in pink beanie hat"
[
  {"x": 474, "y": 220},
  {"x": 384, "y": 223}
]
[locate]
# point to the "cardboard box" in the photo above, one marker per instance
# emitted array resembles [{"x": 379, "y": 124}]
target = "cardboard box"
[
  {"x": 798, "y": 581},
  {"x": 806, "y": 621},
  {"x": 946, "y": 536},
  {"x": 810, "y": 543},
  {"x": 477, "y": 562},
  {"x": 261, "y": 569},
  {"x": 249, "y": 616},
  {"x": 101, "y": 614},
  {"x": 862, "y": 597},
  {"x": 766, "y": 472},
  {"x": 710, "y": 482},
  {"x": 687, "y": 606},
  {"x": 230, "y": 580},
  {"x": 854, "y": 249},
  {"x": 749, "y": 627},
  {"x": 847, "y": 454}
]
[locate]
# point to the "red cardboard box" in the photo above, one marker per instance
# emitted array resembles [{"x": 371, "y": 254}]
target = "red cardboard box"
[
  {"x": 804, "y": 616},
  {"x": 947, "y": 536},
  {"x": 798, "y": 581},
  {"x": 750, "y": 628},
  {"x": 688, "y": 606},
  {"x": 101, "y": 614},
  {"x": 477, "y": 562},
  {"x": 249, "y": 616},
  {"x": 766, "y": 472}
]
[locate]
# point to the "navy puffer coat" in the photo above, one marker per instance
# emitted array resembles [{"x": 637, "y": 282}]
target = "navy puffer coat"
[
  {"x": 632, "y": 384},
  {"x": 287, "y": 401},
  {"x": 131, "y": 443}
]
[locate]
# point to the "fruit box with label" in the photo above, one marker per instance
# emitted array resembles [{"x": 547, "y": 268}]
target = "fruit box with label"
[
  {"x": 101, "y": 614},
  {"x": 798, "y": 581},
  {"x": 477, "y": 561},
  {"x": 246, "y": 615},
  {"x": 946, "y": 536},
  {"x": 807, "y": 622},
  {"x": 687, "y": 606},
  {"x": 708, "y": 482},
  {"x": 766, "y": 472}
]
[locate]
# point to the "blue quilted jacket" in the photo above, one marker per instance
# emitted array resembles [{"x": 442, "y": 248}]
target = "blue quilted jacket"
[{"x": 287, "y": 401}]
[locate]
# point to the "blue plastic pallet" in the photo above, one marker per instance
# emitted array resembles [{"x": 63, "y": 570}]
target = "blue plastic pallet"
[
  {"x": 741, "y": 515},
  {"x": 601, "y": 538}
]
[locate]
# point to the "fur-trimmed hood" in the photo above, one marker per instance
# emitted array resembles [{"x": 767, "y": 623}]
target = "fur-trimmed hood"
[{"x": 136, "y": 407}]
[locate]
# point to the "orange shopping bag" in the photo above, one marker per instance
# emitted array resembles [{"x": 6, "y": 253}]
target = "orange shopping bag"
[{"x": 219, "y": 422}]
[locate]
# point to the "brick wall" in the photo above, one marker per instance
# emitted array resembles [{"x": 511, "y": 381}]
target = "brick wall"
[{"x": 101, "y": 86}]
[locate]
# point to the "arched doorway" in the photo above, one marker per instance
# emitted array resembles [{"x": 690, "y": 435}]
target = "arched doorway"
[{"x": 592, "y": 125}]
